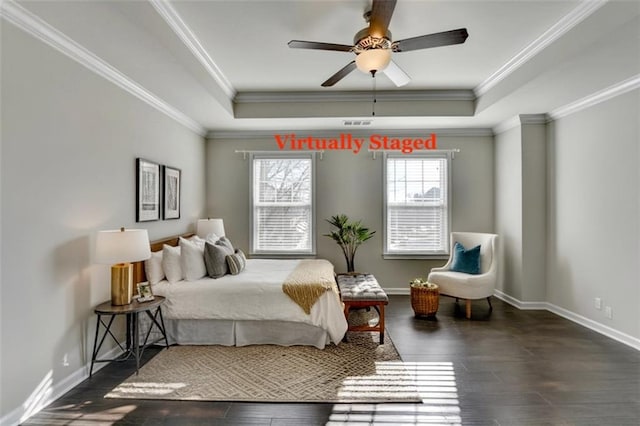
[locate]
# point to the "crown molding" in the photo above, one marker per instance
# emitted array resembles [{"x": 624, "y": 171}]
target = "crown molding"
[
  {"x": 605, "y": 94},
  {"x": 188, "y": 37},
  {"x": 355, "y": 96},
  {"x": 533, "y": 118},
  {"x": 519, "y": 120},
  {"x": 595, "y": 98},
  {"x": 564, "y": 25},
  {"x": 38, "y": 28},
  {"x": 327, "y": 133},
  {"x": 507, "y": 125}
]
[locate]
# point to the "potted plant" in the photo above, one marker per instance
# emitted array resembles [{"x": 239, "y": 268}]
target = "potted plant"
[{"x": 348, "y": 235}]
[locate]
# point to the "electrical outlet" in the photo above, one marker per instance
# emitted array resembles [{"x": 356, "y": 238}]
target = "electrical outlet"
[
  {"x": 65, "y": 361},
  {"x": 598, "y": 303},
  {"x": 608, "y": 312}
]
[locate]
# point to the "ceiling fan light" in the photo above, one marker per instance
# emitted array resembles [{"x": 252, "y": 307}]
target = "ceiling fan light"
[{"x": 373, "y": 60}]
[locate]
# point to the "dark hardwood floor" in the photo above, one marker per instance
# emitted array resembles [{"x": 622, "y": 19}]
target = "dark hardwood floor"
[{"x": 509, "y": 367}]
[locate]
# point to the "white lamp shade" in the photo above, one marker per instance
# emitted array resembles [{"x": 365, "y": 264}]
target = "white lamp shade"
[
  {"x": 122, "y": 246},
  {"x": 208, "y": 226},
  {"x": 373, "y": 59}
]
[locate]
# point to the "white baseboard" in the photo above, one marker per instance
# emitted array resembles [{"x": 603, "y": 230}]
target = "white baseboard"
[
  {"x": 519, "y": 304},
  {"x": 22, "y": 413},
  {"x": 572, "y": 316},
  {"x": 397, "y": 291},
  {"x": 596, "y": 326}
]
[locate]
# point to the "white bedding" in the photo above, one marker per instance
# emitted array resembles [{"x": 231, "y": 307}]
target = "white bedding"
[{"x": 253, "y": 295}]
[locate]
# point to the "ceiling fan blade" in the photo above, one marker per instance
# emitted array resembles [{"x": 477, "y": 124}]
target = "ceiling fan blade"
[
  {"x": 444, "y": 38},
  {"x": 300, "y": 44},
  {"x": 340, "y": 74},
  {"x": 395, "y": 74},
  {"x": 381, "y": 12}
]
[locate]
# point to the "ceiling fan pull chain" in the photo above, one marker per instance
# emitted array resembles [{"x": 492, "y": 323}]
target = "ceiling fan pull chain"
[{"x": 373, "y": 106}]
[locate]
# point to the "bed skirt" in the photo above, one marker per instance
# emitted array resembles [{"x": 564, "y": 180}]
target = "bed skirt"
[{"x": 243, "y": 333}]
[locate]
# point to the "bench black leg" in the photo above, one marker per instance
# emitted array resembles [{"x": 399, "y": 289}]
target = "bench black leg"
[
  {"x": 347, "y": 308},
  {"x": 381, "y": 323}
]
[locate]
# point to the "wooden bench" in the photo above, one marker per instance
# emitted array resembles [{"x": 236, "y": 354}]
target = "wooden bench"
[{"x": 363, "y": 291}]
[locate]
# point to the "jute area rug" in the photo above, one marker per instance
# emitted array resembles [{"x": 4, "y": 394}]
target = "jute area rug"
[{"x": 359, "y": 370}]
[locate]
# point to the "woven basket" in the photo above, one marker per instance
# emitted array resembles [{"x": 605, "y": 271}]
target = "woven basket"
[{"x": 424, "y": 300}]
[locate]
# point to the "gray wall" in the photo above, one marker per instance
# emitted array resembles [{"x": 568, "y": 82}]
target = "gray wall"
[
  {"x": 520, "y": 208},
  {"x": 69, "y": 143},
  {"x": 568, "y": 213},
  {"x": 352, "y": 184},
  {"x": 594, "y": 212},
  {"x": 508, "y": 209},
  {"x": 534, "y": 224}
]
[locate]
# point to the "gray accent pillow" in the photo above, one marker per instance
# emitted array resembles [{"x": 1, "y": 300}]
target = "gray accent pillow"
[
  {"x": 215, "y": 259},
  {"x": 224, "y": 241}
]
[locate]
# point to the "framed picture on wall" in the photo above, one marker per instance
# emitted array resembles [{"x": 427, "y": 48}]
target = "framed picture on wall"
[
  {"x": 147, "y": 190},
  {"x": 171, "y": 191}
]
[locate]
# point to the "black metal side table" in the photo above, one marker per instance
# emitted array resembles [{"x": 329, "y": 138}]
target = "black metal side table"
[{"x": 132, "y": 346}]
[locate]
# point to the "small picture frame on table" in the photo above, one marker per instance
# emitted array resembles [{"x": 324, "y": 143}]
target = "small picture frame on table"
[
  {"x": 171, "y": 191},
  {"x": 144, "y": 292},
  {"x": 147, "y": 190}
]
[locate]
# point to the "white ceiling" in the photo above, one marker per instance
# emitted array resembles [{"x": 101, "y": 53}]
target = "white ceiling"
[{"x": 521, "y": 57}]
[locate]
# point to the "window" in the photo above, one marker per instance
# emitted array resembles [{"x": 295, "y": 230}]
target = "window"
[
  {"x": 417, "y": 214},
  {"x": 282, "y": 204}
]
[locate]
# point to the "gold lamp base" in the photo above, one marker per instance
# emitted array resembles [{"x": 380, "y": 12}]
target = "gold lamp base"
[{"x": 121, "y": 284}]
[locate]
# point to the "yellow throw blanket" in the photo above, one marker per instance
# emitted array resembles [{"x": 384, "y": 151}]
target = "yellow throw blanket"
[{"x": 309, "y": 281}]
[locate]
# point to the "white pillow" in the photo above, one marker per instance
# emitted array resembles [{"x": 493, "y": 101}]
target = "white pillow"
[
  {"x": 153, "y": 268},
  {"x": 171, "y": 263},
  {"x": 192, "y": 259},
  {"x": 193, "y": 239},
  {"x": 212, "y": 238}
]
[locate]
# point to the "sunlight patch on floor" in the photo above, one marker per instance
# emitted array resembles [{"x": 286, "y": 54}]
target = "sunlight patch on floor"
[
  {"x": 144, "y": 388},
  {"x": 78, "y": 415},
  {"x": 434, "y": 382}
]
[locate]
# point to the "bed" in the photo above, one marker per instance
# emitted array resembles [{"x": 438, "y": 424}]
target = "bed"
[{"x": 252, "y": 307}]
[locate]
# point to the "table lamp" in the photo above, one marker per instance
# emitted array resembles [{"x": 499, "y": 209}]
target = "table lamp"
[
  {"x": 205, "y": 227},
  {"x": 119, "y": 248}
]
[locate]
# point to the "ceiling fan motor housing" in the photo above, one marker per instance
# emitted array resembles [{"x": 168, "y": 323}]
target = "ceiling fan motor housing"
[{"x": 364, "y": 41}]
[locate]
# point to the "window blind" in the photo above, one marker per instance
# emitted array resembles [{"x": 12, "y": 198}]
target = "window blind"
[
  {"x": 417, "y": 204},
  {"x": 282, "y": 205}
]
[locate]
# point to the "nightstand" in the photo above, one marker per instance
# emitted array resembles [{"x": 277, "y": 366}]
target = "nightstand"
[{"x": 152, "y": 308}]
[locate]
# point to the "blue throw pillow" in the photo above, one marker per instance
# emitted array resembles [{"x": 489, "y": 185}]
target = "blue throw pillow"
[{"x": 467, "y": 261}]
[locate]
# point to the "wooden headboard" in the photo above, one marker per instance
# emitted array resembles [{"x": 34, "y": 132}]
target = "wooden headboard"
[{"x": 138, "y": 267}]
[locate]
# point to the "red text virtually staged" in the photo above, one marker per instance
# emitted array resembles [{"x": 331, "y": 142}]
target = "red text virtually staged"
[{"x": 346, "y": 141}]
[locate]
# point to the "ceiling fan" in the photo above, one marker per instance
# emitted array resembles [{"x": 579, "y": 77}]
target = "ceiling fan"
[{"x": 373, "y": 45}]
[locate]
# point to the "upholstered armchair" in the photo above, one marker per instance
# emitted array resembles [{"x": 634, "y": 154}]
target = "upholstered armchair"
[{"x": 481, "y": 282}]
